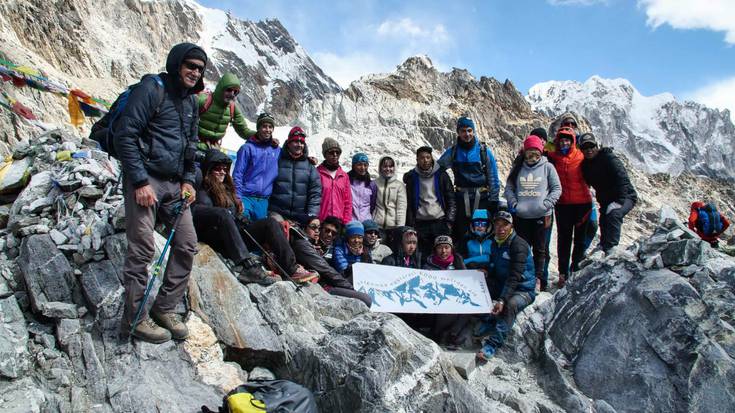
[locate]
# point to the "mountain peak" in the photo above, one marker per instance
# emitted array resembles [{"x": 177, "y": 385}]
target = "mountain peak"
[{"x": 418, "y": 63}]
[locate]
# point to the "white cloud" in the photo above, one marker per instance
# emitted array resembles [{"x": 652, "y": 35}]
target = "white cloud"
[
  {"x": 716, "y": 15},
  {"x": 345, "y": 69},
  {"x": 576, "y": 2},
  {"x": 720, "y": 95},
  {"x": 406, "y": 27}
]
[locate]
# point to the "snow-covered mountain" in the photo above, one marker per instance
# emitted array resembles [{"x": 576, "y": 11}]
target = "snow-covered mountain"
[{"x": 657, "y": 133}]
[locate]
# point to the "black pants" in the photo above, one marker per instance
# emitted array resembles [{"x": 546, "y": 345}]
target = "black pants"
[
  {"x": 571, "y": 231},
  {"x": 534, "y": 232},
  {"x": 427, "y": 231},
  {"x": 611, "y": 223},
  {"x": 268, "y": 232},
  {"x": 462, "y": 221}
]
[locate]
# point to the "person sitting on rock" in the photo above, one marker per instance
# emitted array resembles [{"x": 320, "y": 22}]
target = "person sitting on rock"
[
  {"x": 604, "y": 172},
  {"x": 408, "y": 255},
  {"x": 443, "y": 256},
  {"x": 256, "y": 168},
  {"x": 511, "y": 281},
  {"x": 707, "y": 221},
  {"x": 364, "y": 189},
  {"x": 330, "y": 231},
  {"x": 532, "y": 190},
  {"x": 373, "y": 244},
  {"x": 336, "y": 190},
  {"x": 477, "y": 242},
  {"x": 390, "y": 206},
  {"x": 351, "y": 249},
  {"x": 218, "y": 110},
  {"x": 219, "y": 222}
]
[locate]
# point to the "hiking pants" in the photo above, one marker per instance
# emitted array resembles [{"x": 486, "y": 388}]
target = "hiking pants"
[
  {"x": 547, "y": 259},
  {"x": 611, "y": 223},
  {"x": 307, "y": 256},
  {"x": 217, "y": 228},
  {"x": 534, "y": 232},
  {"x": 139, "y": 226},
  {"x": 571, "y": 220},
  {"x": 427, "y": 231},
  {"x": 501, "y": 324},
  {"x": 268, "y": 232},
  {"x": 255, "y": 207}
]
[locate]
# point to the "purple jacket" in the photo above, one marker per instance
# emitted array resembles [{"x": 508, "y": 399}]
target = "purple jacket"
[
  {"x": 256, "y": 168},
  {"x": 363, "y": 199}
]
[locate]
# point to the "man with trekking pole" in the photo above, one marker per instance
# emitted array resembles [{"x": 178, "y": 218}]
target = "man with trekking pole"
[{"x": 155, "y": 141}]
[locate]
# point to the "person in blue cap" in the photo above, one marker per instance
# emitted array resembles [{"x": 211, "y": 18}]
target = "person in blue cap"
[
  {"x": 351, "y": 249},
  {"x": 477, "y": 246}
]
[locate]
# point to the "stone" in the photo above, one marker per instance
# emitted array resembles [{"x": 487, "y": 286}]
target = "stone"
[
  {"x": 90, "y": 192},
  {"x": 21, "y": 396},
  {"x": 684, "y": 252},
  {"x": 5, "y": 290},
  {"x": 69, "y": 185},
  {"x": 116, "y": 247},
  {"x": 102, "y": 289},
  {"x": 118, "y": 218},
  {"x": 261, "y": 373},
  {"x": 14, "y": 354},
  {"x": 39, "y": 204},
  {"x": 55, "y": 309},
  {"x": 37, "y": 188},
  {"x": 4, "y": 215},
  {"x": 463, "y": 362},
  {"x": 46, "y": 271},
  {"x": 58, "y": 237},
  {"x": 33, "y": 229},
  {"x": 16, "y": 173}
]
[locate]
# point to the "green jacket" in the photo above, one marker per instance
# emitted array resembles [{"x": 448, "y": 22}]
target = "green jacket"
[{"x": 213, "y": 123}]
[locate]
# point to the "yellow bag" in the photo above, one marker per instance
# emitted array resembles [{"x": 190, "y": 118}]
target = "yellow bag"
[{"x": 244, "y": 402}]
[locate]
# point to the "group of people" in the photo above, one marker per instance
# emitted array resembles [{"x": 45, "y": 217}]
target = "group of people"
[{"x": 312, "y": 222}]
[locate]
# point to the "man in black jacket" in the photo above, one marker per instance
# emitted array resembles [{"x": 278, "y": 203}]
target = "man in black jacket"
[
  {"x": 154, "y": 136},
  {"x": 431, "y": 203},
  {"x": 606, "y": 174}
]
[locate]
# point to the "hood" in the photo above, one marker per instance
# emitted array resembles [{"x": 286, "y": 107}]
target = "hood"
[
  {"x": 697, "y": 205},
  {"x": 572, "y": 149},
  {"x": 212, "y": 158},
  {"x": 395, "y": 166},
  {"x": 176, "y": 58},
  {"x": 228, "y": 80}
]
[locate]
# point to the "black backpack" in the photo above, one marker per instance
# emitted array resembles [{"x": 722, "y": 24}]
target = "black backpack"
[{"x": 281, "y": 396}]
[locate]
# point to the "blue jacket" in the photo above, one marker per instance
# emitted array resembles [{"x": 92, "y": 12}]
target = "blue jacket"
[
  {"x": 468, "y": 169},
  {"x": 297, "y": 191},
  {"x": 343, "y": 259},
  {"x": 478, "y": 250},
  {"x": 511, "y": 268},
  {"x": 256, "y": 168}
]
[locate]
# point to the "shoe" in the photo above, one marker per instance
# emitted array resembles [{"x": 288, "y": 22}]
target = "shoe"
[
  {"x": 252, "y": 272},
  {"x": 486, "y": 353},
  {"x": 562, "y": 280},
  {"x": 302, "y": 275},
  {"x": 149, "y": 331},
  {"x": 171, "y": 322}
]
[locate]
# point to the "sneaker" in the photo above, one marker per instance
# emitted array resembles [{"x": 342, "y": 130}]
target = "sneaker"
[
  {"x": 486, "y": 353},
  {"x": 252, "y": 272},
  {"x": 149, "y": 331},
  {"x": 171, "y": 322},
  {"x": 302, "y": 275}
]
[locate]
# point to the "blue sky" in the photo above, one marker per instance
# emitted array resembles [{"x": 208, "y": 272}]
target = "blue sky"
[{"x": 675, "y": 46}]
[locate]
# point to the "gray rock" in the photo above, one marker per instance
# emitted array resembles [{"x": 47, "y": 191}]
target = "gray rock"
[
  {"x": 14, "y": 355},
  {"x": 33, "y": 229},
  {"x": 68, "y": 185},
  {"x": 463, "y": 362},
  {"x": 102, "y": 288},
  {"x": 4, "y": 215},
  {"x": 21, "y": 396},
  {"x": 260, "y": 373},
  {"x": 90, "y": 192},
  {"x": 685, "y": 252},
  {"x": 116, "y": 247},
  {"x": 5, "y": 290},
  {"x": 47, "y": 273},
  {"x": 15, "y": 176},
  {"x": 38, "y": 187},
  {"x": 39, "y": 204},
  {"x": 58, "y": 237},
  {"x": 55, "y": 309}
]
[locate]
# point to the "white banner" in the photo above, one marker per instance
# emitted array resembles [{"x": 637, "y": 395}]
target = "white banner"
[{"x": 408, "y": 290}]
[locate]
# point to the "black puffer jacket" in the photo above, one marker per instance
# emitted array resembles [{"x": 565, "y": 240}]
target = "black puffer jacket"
[
  {"x": 297, "y": 190},
  {"x": 203, "y": 200},
  {"x": 152, "y": 140},
  {"x": 606, "y": 173}
]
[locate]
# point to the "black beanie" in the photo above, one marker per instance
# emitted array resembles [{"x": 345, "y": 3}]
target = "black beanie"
[
  {"x": 196, "y": 53},
  {"x": 541, "y": 133}
]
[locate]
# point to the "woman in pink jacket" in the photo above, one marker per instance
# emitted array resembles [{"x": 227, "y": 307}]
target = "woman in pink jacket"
[{"x": 336, "y": 191}]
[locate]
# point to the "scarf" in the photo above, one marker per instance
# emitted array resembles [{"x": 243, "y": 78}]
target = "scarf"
[
  {"x": 330, "y": 167},
  {"x": 442, "y": 263},
  {"x": 501, "y": 241}
]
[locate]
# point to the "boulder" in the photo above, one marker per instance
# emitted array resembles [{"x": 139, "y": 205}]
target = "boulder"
[
  {"x": 14, "y": 355},
  {"x": 14, "y": 174},
  {"x": 37, "y": 188},
  {"x": 102, "y": 289},
  {"x": 47, "y": 273},
  {"x": 54, "y": 309}
]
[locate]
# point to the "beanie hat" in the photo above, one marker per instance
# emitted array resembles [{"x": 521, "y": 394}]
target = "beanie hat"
[
  {"x": 409, "y": 232},
  {"x": 443, "y": 239},
  {"x": 354, "y": 228},
  {"x": 533, "y": 142},
  {"x": 587, "y": 138},
  {"x": 265, "y": 117},
  {"x": 360, "y": 157},
  {"x": 504, "y": 215},
  {"x": 541, "y": 133},
  {"x": 296, "y": 134},
  {"x": 568, "y": 118},
  {"x": 370, "y": 225},
  {"x": 196, "y": 53},
  {"x": 465, "y": 122},
  {"x": 329, "y": 144}
]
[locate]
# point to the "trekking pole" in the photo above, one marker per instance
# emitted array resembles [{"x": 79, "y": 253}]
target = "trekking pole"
[
  {"x": 267, "y": 254},
  {"x": 178, "y": 213}
]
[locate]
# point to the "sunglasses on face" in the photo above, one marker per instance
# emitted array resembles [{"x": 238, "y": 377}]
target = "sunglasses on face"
[
  {"x": 482, "y": 224},
  {"x": 193, "y": 66},
  {"x": 567, "y": 123},
  {"x": 588, "y": 147},
  {"x": 314, "y": 227},
  {"x": 220, "y": 168},
  {"x": 233, "y": 91},
  {"x": 334, "y": 153},
  {"x": 330, "y": 231},
  {"x": 376, "y": 233}
]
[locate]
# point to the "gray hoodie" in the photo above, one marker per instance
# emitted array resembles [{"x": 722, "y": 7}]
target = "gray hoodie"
[{"x": 535, "y": 190}]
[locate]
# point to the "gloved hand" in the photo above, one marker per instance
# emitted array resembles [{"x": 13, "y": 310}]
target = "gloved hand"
[{"x": 612, "y": 207}]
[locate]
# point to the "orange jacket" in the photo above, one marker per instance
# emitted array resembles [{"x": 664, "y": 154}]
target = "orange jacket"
[
  {"x": 574, "y": 189},
  {"x": 694, "y": 216}
]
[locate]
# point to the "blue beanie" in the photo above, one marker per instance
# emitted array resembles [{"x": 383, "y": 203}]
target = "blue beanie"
[
  {"x": 465, "y": 122},
  {"x": 370, "y": 225},
  {"x": 354, "y": 228},
  {"x": 480, "y": 215},
  {"x": 360, "y": 157}
]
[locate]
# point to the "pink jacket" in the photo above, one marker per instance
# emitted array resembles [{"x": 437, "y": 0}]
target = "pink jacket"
[{"x": 336, "y": 195}]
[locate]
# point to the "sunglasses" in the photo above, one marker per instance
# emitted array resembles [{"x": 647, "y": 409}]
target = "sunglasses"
[
  {"x": 194, "y": 66},
  {"x": 314, "y": 227},
  {"x": 483, "y": 224},
  {"x": 330, "y": 231},
  {"x": 220, "y": 168},
  {"x": 588, "y": 147},
  {"x": 233, "y": 90},
  {"x": 569, "y": 123},
  {"x": 334, "y": 152},
  {"x": 372, "y": 233}
]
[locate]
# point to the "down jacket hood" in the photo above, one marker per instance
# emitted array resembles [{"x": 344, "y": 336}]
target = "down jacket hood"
[{"x": 176, "y": 58}]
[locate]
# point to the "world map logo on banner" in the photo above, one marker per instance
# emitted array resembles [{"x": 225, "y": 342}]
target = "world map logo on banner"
[{"x": 407, "y": 290}]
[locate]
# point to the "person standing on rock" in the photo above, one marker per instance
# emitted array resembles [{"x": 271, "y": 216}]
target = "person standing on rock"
[
  {"x": 511, "y": 281},
  {"x": 336, "y": 190},
  {"x": 364, "y": 189},
  {"x": 604, "y": 172},
  {"x": 218, "y": 110},
  {"x": 256, "y": 168},
  {"x": 574, "y": 208},
  {"x": 155, "y": 142},
  {"x": 475, "y": 175},
  {"x": 532, "y": 190},
  {"x": 430, "y": 198}
]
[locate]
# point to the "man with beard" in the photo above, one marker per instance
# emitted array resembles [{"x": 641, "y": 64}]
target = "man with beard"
[{"x": 218, "y": 110}]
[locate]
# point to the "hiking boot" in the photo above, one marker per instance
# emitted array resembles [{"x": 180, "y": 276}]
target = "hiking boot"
[
  {"x": 486, "y": 353},
  {"x": 302, "y": 275},
  {"x": 171, "y": 322},
  {"x": 149, "y": 331},
  {"x": 252, "y": 272}
]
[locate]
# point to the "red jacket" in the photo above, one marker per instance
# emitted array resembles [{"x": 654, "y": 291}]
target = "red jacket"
[
  {"x": 336, "y": 195},
  {"x": 694, "y": 216},
  {"x": 574, "y": 189}
]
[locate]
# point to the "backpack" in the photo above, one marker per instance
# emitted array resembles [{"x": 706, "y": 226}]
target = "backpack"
[
  {"x": 208, "y": 104},
  {"x": 102, "y": 132},
  {"x": 268, "y": 395},
  {"x": 708, "y": 220},
  {"x": 483, "y": 156}
]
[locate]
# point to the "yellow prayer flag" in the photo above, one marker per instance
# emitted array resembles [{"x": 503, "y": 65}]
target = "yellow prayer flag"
[{"x": 75, "y": 112}]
